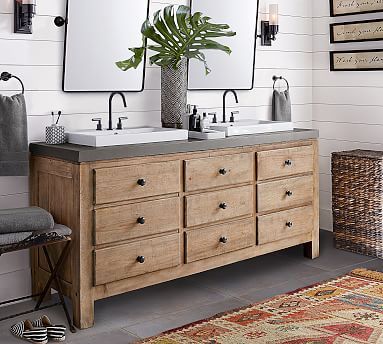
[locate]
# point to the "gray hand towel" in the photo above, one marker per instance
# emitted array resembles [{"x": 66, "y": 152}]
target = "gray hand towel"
[
  {"x": 25, "y": 220},
  {"x": 13, "y": 136},
  {"x": 281, "y": 106}
]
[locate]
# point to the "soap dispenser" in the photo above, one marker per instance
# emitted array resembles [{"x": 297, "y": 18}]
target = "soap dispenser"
[
  {"x": 193, "y": 119},
  {"x": 205, "y": 123}
]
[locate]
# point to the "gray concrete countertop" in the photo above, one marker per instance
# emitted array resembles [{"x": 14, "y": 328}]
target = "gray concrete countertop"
[{"x": 78, "y": 154}]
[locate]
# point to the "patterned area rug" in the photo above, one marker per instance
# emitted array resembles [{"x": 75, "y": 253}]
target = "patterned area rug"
[{"x": 348, "y": 309}]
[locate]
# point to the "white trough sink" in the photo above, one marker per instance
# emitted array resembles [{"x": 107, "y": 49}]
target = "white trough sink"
[
  {"x": 103, "y": 138},
  {"x": 248, "y": 127}
]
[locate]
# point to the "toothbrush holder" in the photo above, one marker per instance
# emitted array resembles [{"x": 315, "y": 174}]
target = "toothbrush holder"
[{"x": 55, "y": 135}]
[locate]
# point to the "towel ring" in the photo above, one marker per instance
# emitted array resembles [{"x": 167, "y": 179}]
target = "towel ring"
[
  {"x": 5, "y": 76},
  {"x": 276, "y": 78}
]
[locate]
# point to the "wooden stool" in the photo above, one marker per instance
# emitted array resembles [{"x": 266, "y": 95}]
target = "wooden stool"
[{"x": 43, "y": 240}]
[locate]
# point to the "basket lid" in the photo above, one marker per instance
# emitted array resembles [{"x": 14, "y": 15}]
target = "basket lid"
[{"x": 360, "y": 153}]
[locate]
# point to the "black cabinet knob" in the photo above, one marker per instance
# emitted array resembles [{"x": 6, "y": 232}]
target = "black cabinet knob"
[
  {"x": 289, "y": 224},
  {"x": 223, "y": 205},
  {"x": 141, "y": 259},
  {"x": 288, "y": 162},
  {"x": 141, "y": 220},
  {"x": 141, "y": 182},
  {"x": 223, "y": 240},
  {"x": 289, "y": 193},
  {"x": 223, "y": 171}
]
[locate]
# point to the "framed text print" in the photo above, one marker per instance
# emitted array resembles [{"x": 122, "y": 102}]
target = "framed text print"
[
  {"x": 348, "y": 7},
  {"x": 359, "y": 31},
  {"x": 356, "y": 60}
]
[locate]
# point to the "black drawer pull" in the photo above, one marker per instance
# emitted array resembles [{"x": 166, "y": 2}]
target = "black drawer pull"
[
  {"x": 141, "y": 220},
  {"x": 288, "y": 162},
  {"x": 141, "y": 182},
  {"x": 223, "y": 205},
  {"x": 289, "y": 224},
  {"x": 223, "y": 171},
  {"x": 223, "y": 240},
  {"x": 289, "y": 193},
  {"x": 141, "y": 259}
]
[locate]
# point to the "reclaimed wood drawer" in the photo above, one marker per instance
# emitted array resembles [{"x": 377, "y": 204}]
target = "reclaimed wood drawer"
[
  {"x": 285, "y": 224},
  {"x": 219, "y": 205},
  {"x": 290, "y": 192},
  {"x": 136, "y": 220},
  {"x": 136, "y": 181},
  {"x": 285, "y": 162},
  {"x": 217, "y": 240},
  {"x": 201, "y": 174},
  {"x": 136, "y": 258}
]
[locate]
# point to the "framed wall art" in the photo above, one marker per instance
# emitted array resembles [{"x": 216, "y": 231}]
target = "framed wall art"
[
  {"x": 348, "y": 7},
  {"x": 358, "y": 31},
  {"x": 356, "y": 60}
]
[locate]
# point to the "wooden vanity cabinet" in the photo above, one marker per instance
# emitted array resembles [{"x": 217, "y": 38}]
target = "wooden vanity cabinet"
[{"x": 145, "y": 220}]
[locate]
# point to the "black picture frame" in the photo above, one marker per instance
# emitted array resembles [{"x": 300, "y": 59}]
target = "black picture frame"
[
  {"x": 333, "y": 53},
  {"x": 333, "y": 41},
  {"x": 101, "y": 91},
  {"x": 254, "y": 59},
  {"x": 332, "y": 14}
]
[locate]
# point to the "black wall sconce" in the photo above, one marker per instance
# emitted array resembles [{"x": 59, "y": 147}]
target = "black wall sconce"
[
  {"x": 270, "y": 28},
  {"x": 25, "y": 10}
]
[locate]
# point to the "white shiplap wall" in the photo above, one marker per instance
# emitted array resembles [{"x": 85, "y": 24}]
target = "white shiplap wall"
[
  {"x": 37, "y": 59},
  {"x": 347, "y": 106}
]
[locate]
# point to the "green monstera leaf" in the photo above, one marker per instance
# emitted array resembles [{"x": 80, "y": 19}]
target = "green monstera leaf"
[{"x": 176, "y": 34}]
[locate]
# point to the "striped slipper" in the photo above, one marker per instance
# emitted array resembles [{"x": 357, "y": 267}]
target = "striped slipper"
[
  {"x": 55, "y": 332},
  {"x": 26, "y": 331}
]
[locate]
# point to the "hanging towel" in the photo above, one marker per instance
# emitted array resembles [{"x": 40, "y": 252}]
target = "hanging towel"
[
  {"x": 281, "y": 106},
  {"x": 25, "y": 220},
  {"x": 13, "y": 136}
]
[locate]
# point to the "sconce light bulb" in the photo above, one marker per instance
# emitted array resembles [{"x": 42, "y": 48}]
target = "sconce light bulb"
[{"x": 273, "y": 14}]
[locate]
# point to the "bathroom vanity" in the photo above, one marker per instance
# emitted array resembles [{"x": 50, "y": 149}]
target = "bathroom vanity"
[{"x": 149, "y": 213}]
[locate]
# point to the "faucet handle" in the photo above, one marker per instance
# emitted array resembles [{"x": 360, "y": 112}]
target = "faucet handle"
[
  {"x": 214, "y": 114},
  {"x": 99, "y": 124},
  {"x": 119, "y": 124},
  {"x": 232, "y": 119}
]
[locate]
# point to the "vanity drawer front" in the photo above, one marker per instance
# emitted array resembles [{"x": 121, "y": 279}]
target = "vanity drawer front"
[
  {"x": 286, "y": 193},
  {"x": 285, "y": 224},
  {"x": 285, "y": 162},
  {"x": 219, "y": 205},
  {"x": 120, "y": 262},
  {"x": 216, "y": 240},
  {"x": 136, "y": 181},
  {"x": 136, "y": 220},
  {"x": 213, "y": 172}
]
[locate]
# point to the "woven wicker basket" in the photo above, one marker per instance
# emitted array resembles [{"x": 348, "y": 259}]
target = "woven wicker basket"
[{"x": 357, "y": 201}]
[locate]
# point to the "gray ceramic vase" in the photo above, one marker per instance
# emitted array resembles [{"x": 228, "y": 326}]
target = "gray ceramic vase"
[{"x": 173, "y": 95}]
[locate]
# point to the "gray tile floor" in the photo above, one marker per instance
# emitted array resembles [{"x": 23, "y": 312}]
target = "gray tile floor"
[{"x": 127, "y": 318}]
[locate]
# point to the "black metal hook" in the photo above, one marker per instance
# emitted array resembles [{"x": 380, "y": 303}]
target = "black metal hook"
[
  {"x": 5, "y": 76},
  {"x": 276, "y": 78},
  {"x": 60, "y": 21}
]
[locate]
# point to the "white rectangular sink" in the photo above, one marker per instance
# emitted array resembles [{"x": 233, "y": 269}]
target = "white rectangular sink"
[
  {"x": 103, "y": 138},
  {"x": 248, "y": 127}
]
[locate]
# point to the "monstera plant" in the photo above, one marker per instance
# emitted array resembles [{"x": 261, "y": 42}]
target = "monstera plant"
[{"x": 175, "y": 36}]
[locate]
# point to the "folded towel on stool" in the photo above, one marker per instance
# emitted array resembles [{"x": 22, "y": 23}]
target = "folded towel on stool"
[
  {"x": 15, "y": 238},
  {"x": 25, "y": 220}
]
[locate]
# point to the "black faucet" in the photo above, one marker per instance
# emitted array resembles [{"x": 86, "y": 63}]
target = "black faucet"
[
  {"x": 110, "y": 107},
  {"x": 224, "y": 103}
]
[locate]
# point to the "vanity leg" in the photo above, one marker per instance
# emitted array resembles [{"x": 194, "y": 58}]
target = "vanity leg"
[
  {"x": 311, "y": 249},
  {"x": 83, "y": 312}
]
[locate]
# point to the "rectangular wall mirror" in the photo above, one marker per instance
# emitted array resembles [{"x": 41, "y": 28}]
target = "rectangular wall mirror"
[
  {"x": 98, "y": 34},
  {"x": 228, "y": 71}
]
